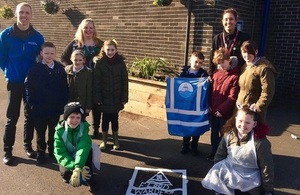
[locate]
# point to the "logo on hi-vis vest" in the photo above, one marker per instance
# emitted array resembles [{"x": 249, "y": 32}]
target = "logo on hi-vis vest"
[{"x": 185, "y": 90}]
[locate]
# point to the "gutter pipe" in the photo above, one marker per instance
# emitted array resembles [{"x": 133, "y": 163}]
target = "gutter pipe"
[
  {"x": 187, "y": 36},
  {"x": 264, "y": 29}
]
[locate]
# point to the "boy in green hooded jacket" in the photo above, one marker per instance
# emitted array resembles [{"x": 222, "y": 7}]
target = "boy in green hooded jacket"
[{"x": 73, "y": 147}]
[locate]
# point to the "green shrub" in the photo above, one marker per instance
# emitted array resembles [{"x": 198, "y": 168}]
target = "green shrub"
[
  {"x": 50, "y": 6},
  {"x": 6, "y": 12},
  {"x": 162, "y": 2},
  {"x": 153, "y": 69},
  {"x": 158, "y": 2}
]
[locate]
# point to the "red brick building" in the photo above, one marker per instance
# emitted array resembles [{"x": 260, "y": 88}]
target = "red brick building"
[{"x": 143, "y": 29}]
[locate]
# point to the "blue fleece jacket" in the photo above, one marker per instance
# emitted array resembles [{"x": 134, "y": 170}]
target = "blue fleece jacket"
[{"x": 18, "y": 53}]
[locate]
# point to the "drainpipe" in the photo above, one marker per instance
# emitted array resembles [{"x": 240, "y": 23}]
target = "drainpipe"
[
  {"x": 264, "y": 28},
  {"x": 187, "y": 36}
]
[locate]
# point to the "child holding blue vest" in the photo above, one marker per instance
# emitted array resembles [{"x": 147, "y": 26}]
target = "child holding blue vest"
[{"x": 193, "y": 71}]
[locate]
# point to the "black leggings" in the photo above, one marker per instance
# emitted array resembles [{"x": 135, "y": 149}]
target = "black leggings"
[{"x": 110, "y": 117}]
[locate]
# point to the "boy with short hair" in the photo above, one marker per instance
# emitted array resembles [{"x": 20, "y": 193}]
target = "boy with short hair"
[
  {"x": 73, "y": 148},
  {"x": 193, "y": 71},
  {"x": 46, "y": 93}
]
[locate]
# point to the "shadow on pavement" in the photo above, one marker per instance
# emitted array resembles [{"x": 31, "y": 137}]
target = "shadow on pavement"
[
  {"x": 287, "y": 173},
  {"x": 281, "y": 117}
]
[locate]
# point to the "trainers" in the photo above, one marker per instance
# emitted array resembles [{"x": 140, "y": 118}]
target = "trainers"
[
  {"x": 7, "y": 159},
  {"x": 184, "y": 150},
  {"x": 40, "y": 158},
  {"x": 211, "y": 157},
  {"x": 30, "y": 152}
]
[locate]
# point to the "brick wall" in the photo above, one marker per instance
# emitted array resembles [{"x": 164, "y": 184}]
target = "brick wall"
[
  {"x": 143, "y": 29},
  {"x": 283, "y": 49}
]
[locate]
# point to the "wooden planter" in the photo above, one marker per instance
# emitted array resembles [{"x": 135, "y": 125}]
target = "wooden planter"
[{"x": 146, "y": 98}]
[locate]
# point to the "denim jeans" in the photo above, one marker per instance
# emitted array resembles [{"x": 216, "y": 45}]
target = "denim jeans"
[{"x": 16, "y": 93}]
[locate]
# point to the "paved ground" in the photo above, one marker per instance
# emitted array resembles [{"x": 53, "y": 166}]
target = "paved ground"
[{"x": 146, "y": 143}]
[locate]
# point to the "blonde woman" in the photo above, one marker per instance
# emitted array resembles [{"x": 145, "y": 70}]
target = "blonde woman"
[{"x": 86, "y": 40}]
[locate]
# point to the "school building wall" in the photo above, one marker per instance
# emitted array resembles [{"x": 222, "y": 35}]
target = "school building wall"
[{"x": 143, "y": 29}]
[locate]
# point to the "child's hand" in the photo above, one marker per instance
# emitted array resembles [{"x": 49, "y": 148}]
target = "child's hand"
[
  {"x": 210, "y": 79},
  {"x": 166, "y": 77},
  {"x": 218, "y": 114}
]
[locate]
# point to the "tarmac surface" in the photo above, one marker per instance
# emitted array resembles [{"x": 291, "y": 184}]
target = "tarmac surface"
[{"x": 145, "y": 142}]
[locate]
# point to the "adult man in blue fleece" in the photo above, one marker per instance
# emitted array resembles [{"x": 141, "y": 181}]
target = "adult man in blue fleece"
[{"x": 19, "y": 46}]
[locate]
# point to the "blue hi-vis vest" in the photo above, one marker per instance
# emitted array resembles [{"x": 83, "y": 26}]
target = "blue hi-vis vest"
[{"x": 187, "y": 106}]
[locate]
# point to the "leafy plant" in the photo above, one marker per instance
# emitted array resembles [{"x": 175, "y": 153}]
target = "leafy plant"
[
  {"x": 50, "y": 6},
  {"x": 153, "y": 69},
  {"x": 6, "y": 12},
  {"x": 158, "y": 2},
  {"x": 162, "y": 2}
]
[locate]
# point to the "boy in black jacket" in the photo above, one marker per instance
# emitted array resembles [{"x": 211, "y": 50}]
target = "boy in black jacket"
[{"x": 46, "y": 93}]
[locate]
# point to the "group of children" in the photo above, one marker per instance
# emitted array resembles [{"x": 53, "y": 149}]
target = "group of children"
[
  {"x": 53, "y": 89},
  {"x": 50, "y": 86},
  {"x": 238, "y": 139}
]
